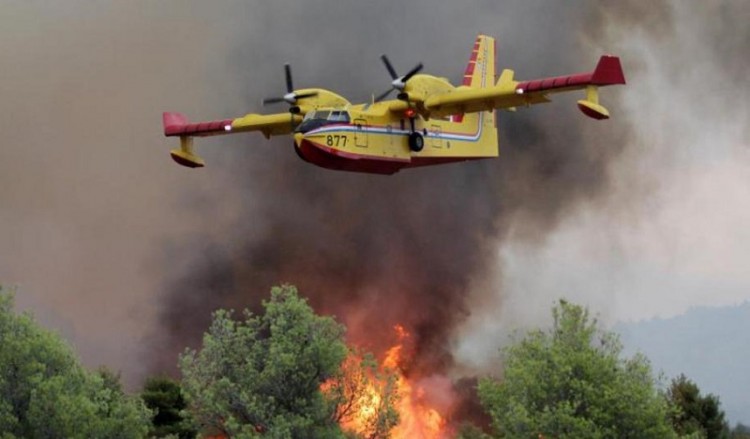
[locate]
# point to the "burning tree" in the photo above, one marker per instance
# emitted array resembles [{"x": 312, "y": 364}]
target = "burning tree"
[
  {"x": 382, "y": 401},
  {"x": 364, "y": 396},
  {"x": 283, "y": 374}
]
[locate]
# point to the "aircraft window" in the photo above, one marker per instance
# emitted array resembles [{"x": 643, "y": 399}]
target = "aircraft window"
[
  {"x": 317, "y": 119},
  {"x": 339, "y": 116}
]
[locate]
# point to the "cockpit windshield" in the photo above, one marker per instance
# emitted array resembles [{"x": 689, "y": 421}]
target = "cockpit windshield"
[{"x": 317, "y": 119}]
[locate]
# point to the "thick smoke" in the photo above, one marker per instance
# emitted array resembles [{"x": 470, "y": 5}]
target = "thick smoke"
[
  {"x": 87, "y": 194},
  {"x": 670, "y": 232},
  {"x": 375, "y": 250}
]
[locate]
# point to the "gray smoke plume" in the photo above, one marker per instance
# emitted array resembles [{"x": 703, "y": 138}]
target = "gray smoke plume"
[
  {"x": 670, "y": 230},
  {"x": 84, "y": 205}
]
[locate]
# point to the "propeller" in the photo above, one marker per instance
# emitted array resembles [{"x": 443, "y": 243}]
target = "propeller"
[
  {"x": 291, "y": 96},
  {"x": 399, "y": 82}
]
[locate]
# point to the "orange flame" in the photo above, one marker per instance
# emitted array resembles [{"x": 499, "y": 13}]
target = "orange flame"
[{"x": 417, "y": 418}]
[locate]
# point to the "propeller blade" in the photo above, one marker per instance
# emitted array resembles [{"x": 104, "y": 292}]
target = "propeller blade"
[
  {"x": 288, "y": 74},
  {"x": 273, "y": 100},
  {"x": 305, "y": 95},
  {"x": 412, "y": 72},
  {"x": 388, "y": 66},
  {"x": 290, "y": 97},
  {"x": 383, "y": 95}
]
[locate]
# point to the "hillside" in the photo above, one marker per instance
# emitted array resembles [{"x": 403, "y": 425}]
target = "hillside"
[{"x": 711, "y": 346}]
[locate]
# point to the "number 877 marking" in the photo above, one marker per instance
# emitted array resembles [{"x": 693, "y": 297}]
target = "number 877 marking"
[{"x": 335, "y": 140}]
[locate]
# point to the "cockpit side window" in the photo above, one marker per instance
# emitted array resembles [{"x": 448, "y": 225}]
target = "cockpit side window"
[{"x": 339, "y": 116}]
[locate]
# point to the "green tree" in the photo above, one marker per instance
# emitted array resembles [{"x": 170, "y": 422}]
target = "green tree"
[
  {"x": 695, "y": 414},
  {"x": 164, "y": 397},
  {"x": 571, "y": 382},
  {"x": 470, "y": 431},
  {"x": 262, "y": 376},
  {"x": 46, "y": 393}
]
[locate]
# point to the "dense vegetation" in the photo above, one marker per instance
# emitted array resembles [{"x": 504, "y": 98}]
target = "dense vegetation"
[
  {"x": 571, "y": 382},
  {"x": 46, "y": 393},
  {"x": 262, "y": 376},
  {"x": 287, "y": 373}
]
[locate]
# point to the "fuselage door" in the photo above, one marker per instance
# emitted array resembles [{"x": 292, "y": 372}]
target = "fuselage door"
[
  {"x": 360, "y": 135},
  {"x": 436, "y": 137}
]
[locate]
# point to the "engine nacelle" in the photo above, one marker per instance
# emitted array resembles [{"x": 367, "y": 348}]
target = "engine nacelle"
[{"x": 322, "y": 98}]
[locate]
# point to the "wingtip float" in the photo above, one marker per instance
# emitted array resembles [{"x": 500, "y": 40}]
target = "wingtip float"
[{"x": 430, "y": 122}]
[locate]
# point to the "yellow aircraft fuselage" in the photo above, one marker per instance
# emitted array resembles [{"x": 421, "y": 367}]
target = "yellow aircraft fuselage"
[{"x": 374, "y": 141}]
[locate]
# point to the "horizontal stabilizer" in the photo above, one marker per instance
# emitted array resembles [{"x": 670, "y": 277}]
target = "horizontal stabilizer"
[{"x": 506, "y": 78}]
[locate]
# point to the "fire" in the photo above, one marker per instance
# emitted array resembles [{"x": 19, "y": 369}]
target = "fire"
[{"x": 418, "y": 419}]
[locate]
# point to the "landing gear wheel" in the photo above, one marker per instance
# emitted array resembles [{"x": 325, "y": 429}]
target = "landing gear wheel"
[{"x": 416, "y": 142}]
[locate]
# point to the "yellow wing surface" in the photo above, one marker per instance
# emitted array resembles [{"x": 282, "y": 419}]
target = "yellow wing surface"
[
  {"x": 176, "y": 124},
  {"x": 508, "y": 93}
]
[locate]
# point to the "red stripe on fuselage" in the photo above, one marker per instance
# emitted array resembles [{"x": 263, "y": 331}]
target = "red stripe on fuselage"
[{"x": 329, "y": 158}]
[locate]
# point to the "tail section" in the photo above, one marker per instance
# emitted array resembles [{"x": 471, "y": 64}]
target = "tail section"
[{"x": 480, "y": 73}]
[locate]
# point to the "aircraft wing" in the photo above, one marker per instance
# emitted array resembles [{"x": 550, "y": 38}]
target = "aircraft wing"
[
  {"x": 177, "y": 125},
  {"x": 508, "y": 93}
]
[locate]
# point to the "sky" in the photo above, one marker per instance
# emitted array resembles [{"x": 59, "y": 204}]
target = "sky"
[{"x": 642, "y": 216}]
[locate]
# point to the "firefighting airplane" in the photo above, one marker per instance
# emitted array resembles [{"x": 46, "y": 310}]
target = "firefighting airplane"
[{"x": 431, "y": 122}]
